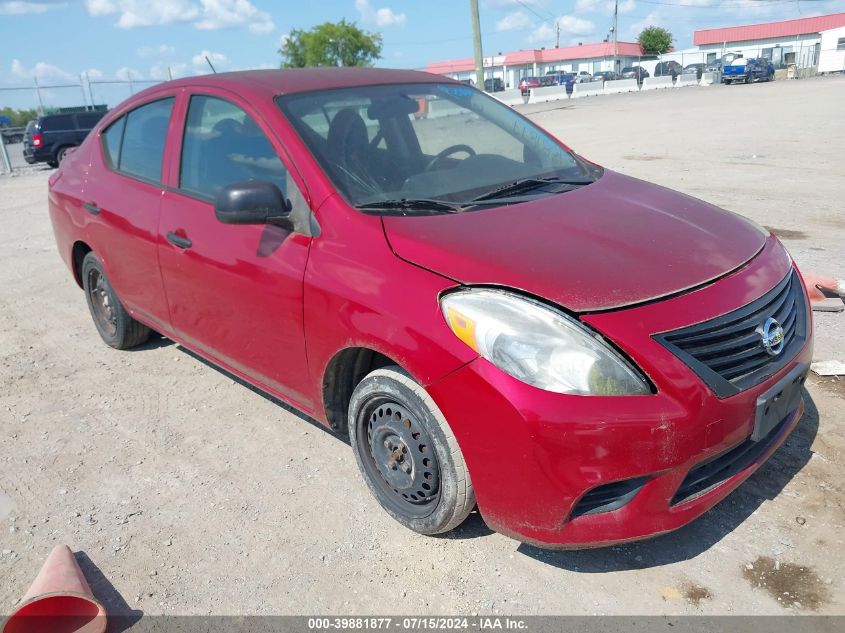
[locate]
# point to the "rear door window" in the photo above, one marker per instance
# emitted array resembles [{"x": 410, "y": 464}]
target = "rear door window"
[{"x": 142, "y": 146}]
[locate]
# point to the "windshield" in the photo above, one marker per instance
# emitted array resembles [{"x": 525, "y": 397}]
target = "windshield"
[{"x": 444, "y": 142}]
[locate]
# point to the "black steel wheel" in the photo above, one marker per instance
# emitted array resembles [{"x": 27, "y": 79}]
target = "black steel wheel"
[
  {"x": 408, "y": 454},
  {"x": 116, "y": 326}
]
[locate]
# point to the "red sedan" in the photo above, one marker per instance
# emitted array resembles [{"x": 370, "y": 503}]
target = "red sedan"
[{"x": 492, "y": 318}]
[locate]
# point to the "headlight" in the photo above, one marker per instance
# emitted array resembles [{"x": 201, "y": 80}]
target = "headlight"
[{"x": 538, "y": 345}]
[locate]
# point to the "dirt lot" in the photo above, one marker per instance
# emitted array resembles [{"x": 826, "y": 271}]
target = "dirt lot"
[{"x": 193, "y": 494}]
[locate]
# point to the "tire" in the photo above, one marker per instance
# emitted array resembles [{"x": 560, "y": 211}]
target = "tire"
[
  {"x": 116, "y": 326},
  {"x": 52, "y": 163},
  {"x": 60, "y": 155},
  {"x": 397, "y": 432}
]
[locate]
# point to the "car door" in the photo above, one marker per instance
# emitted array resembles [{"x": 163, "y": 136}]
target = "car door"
[
  {"x": 234, "y": 291},
  {"x": 123, "y": 203}
]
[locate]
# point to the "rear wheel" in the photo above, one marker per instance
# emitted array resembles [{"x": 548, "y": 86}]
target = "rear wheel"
[
  {"x": 60, "y": 155},
  {"x": 407, "y": 453},
  {"x": 116, "y": 326}
]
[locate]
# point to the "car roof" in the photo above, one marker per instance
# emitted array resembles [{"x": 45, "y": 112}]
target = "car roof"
[{"x": 263, "y": 83}]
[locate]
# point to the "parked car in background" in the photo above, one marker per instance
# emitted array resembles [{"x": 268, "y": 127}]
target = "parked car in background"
[
  {"x": 11, "y": 133},
  {"x": 527, "y": 83},
  {"x": 583, "y": 77},
  {"x": 635, "y": 72},
  {"x": 494, "y": 85},
  {"x": 563, "y": 79},
  {"x": 492, "y": 319},
  {"x": 698, "y": 69},
  {"x": 468, "y": 82},
  {"x": 748, "y": 70},
  {"x": 52, "y": 135},
  {"x": 606, "y": 75},
  {"x": 670, "y": 68},
  {"x": 714, "y": 66}
]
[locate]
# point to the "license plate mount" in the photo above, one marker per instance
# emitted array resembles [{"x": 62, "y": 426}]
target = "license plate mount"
[{"x": 778, "y": 402}]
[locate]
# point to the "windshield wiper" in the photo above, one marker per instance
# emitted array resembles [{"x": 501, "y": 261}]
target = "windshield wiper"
[
  {"x": 527, "y": 184},
  {"x": 404, "y": 205}
]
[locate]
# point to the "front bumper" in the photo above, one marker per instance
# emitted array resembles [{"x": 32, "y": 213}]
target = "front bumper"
[{"x": 533, "y": 454}]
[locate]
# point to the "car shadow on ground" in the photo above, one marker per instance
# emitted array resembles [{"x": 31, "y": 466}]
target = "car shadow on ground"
[
  {"x": 279, "y": 403},
  {"x": 120, "y": 615},
  {"x": 706, "y": 531}
]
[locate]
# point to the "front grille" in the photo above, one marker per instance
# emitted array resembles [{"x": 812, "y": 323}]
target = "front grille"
[
  {"x": 727, "y": 352},
  {"x": 706, "y": 476},
  {"x": 608, "y": 497}
]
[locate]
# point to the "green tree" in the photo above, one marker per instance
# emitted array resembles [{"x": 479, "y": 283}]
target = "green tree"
[
  {"x": 655, "y": 40},
  {"x": 331, "y": 44},
  {"x": 19, "y": 117}
]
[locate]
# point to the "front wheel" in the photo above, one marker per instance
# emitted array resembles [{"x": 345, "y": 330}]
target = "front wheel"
[
  {"x": 407, "y": 453},
  {"x": 116, "y": 326}
]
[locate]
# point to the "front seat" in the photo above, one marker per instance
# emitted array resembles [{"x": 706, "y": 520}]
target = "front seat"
[{"x": 347, "y": 147}]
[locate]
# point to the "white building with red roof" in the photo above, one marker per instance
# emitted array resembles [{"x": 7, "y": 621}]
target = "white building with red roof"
[
  {"x": 513, "y": 66},
  {"x": 806, "y": 42}
]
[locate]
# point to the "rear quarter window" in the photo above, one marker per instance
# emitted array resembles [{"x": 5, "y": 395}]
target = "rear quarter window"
[{"x": 89, "y": 120}]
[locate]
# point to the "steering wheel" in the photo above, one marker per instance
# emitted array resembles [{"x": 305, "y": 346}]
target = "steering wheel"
[{"x": 452, "y": 149}]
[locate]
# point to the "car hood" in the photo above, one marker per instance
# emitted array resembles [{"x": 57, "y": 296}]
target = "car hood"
[{"x": 616, "y": 242}]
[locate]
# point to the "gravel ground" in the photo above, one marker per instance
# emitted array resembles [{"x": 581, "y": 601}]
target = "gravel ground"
[{"x": 190, "y": 493}]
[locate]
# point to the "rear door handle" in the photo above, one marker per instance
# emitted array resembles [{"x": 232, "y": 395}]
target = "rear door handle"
[
  {"x": 92, "y": 208},
  {"x": 178, "y": 240}
]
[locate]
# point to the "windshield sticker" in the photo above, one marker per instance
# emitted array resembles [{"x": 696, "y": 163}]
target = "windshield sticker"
[{"x": 459, "y": 92}]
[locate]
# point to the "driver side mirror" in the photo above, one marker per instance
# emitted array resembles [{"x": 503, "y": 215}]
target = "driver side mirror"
[{"x": 253, "y": 202}]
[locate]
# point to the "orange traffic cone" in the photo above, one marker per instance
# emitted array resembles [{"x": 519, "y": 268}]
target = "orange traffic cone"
[
  {"x": 815, "y": 283},
  {"x": 59, "y": 600}
]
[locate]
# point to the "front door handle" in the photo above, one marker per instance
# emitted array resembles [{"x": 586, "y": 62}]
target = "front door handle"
[
  {"x": 92, "y": 208},
  {"x": 178, "y": 240}
]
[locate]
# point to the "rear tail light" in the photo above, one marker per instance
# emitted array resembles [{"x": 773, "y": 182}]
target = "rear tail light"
[{"x": 36, "y": 140}]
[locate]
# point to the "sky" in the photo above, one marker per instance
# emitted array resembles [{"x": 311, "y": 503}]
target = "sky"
[{"x": 57, "y": 40}]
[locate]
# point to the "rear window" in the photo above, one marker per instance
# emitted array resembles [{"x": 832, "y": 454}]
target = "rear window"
[{"x": 58, "y": 122}]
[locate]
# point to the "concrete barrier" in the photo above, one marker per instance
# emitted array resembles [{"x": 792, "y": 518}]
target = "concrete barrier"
[
  {"x": 442, "y": 107},
  {"x": 549, "y": 93},
  {"x": 689, "y": 79},
  {"x": 510, "y": 97},
  {"x": 620, "y": 85},
  {"x": 708, "y": 79},
  {"x": 587, "y": 89},
  {"x": 655, "y": 83}
]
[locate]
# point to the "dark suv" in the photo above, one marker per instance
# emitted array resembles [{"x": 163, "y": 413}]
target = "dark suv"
[{"x": 53, "y": 134}]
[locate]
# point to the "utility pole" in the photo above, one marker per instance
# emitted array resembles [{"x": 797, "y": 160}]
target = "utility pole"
[
  {"x": 557, "y": 33},
  {"x": 615, "y": 35},
  {"x": 476, "y": 44}
]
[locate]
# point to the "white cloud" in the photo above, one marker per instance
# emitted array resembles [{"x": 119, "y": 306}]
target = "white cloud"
[
  {"x": 42, "y": 71},
  {"x": 163, "y": 70},
  {"x": 208, "y": 15},
  {"x": 128, "y": 74},
  {"x": 516, "y": 21},
  {"x": 380, "y": 17},
  {"x": 94, "y": 74},
  {"x": 155, "y": 51},
  {"x": 218, "y": 60},
  {"x": 546, "y": 33},
  {"x": 15, "y": 7},
  {"x": 222, "y": 14},
  {"x": 100, "y": 7}
]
